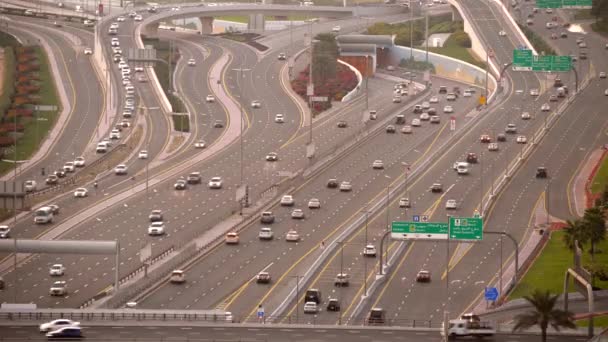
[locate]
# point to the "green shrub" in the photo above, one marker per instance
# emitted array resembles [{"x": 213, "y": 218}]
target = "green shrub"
[
  {"x": 458, "y": 38},
  {"x": 181, "y": 123},
  {"x": 8, "y": 88},
  {"x": 537, "y": 41}
]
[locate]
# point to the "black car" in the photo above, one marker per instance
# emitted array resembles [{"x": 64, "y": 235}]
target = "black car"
[
  {"x": 59, "y": 173},
  {"x": 313, "y": 295},
  {"x": 501, "y": 137},
  {"x": 436, "y": 187},
  {"x": 472, "y": 158},
  {"x": 333, "y": 305},
  {"x": 541, "y": 172},
  {"x": 218, "y": 124},
  {"x": 390, "y": 129},
  {"x": 66, "y": 332},
  {"x": 342, "y": 124},
  {"x": 332, "y": 183},
  {"x": 377, "y": 316}
]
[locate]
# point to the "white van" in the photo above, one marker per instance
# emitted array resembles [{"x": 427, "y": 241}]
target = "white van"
[
  {"x": 43, "y": 215},
  {"x": 102, "y": 147},
  {"x": 462, "y": 168}
]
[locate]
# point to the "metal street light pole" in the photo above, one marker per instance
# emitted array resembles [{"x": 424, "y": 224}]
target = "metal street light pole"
[
  {"x": 341, "y": 243},
  {"x": 242, "y": 91}
]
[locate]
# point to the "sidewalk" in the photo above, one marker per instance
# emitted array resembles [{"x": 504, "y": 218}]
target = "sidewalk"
[{"x": 581, "y": 194}]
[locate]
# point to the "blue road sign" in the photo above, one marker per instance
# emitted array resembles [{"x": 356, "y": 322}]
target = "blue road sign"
[
  {"x": 416, "y": 218},
  {"x": 491, "y": 294}
]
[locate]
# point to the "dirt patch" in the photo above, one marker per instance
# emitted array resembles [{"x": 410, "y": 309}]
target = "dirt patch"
[{"x": 176, "y": 141}]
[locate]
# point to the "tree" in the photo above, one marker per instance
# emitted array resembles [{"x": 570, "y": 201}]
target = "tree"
[
  {"x": 573, "y": 231},
  {"x": 543, "y": 314},
  {"x": 325, "y": 58},
  {"x": 594, "y": 227},
  {"x": 599, "y": 8}
]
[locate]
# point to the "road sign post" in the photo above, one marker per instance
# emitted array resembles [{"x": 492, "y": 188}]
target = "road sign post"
[
  {"x": 419, "y": 230},
  {"x": 491, "y": 294},
  {"x": 524, "y": 60},
  {"x": 466, "y": 228}
]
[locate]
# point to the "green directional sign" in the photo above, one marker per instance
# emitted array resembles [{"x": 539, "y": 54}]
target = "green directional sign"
[
  {"x": 466, "y": 228},
  {"x": 524, "y": 60},
  {"x": 419, "y": 230},
  {"x": 564, "y": 3}
]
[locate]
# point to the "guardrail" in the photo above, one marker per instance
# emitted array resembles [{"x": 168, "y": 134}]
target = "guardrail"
[
  {"x": 351, "y": 94},
  {"x": 116, "y": 315}
]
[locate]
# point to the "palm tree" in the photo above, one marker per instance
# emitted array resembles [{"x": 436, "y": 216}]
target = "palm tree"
[
  {"x": 595, "y": 227},
  {"x": 574, "y": 231},
  {"x": 543, "y": 314}
]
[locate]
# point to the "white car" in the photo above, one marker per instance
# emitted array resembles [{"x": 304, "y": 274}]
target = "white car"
[
  {"x": 311, "y": 307},
  {"x": 493, "y": 147},
  {"x": 434, "y": 99},
  {"x": 68, "y": 167},
  {"x": 534, "y": 92},
  {"x": 606, "y": 92},
  {"x": 545, "y": 107},
  {"x": 425, "y": 117},
  {"x": 450, "y": 204},
  {"x": 369, "y": 250},
  {"x": 88, "y": 51},
  {"x": 210, "y": 98},
  {"x": 265, "y": 234},
  {"x": 232, "y": 238},
  {"x": 30, "y": 185},
  {"x": 57, "y": 324},
  {"x": 404, "y": 202},
  {"x": 378, "y": 164},
  {"x": 199, "y": 144},
  {"x": 287, "y": 200},
  {"x": 115, "y": 42},
  {"x": 297, "y": 214},
  {"x": 81, "y": 192},
  {"x": 138, "y": 18},
  {"x": 120, "y": 169},
  {"x": 407, "y": 129},
  {"x": 525, "y": 116},
  {"x": 336, "y": 28},
  {"x": 602, "y": 74},
  {"x": 416, "y": 123},
  {"x": 79, "y": 162},
  {"x": 57, "y": 270},
  {"x": 448, "y": 109},
  {"x": 314, "y": 203},
  {"x": 522, "y": 139},
  {"x": 215, "y": 183},
  {"x": 346, "y": 186},
  {"x": 156, "y": 228},
  {"x": 292, "y": 236},
  {"x": 256, "y": 104},
  {"x": 191, "y": 62},
  {"x": 143, "y": 154},
  {"x": 139, "y": 69},
  {"x": 115, "y": 134},
  {"x": 396, "y": 99},
  {"x": 435, "y": 119},
  {"x": 279, "y": 118},
  {"x": 502, "y": 33},
  {"x": 120, "y": 19}
]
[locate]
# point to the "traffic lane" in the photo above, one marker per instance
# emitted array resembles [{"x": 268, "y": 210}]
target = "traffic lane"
[
  {"x": 234, "y": 332},
  {"x": 319, "y": 190},
  {"x": 513, "y": 211}
]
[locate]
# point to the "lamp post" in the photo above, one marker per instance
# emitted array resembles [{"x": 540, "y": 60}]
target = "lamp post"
[
  {"x": 388, "y": 200},
  {"x": 298, "y": 277},
  {"x": 341, "y": 243},
  {"x": 241, "y": 91},
  {"x": 407, "y": 171},
  {"x": 364, "y": 258}
]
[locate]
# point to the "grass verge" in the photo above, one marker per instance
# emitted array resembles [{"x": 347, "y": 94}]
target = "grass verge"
[
  {"x": 583, "y": 14},
  {"x": 458, "y": 52},
  {"x": 181, "y": 123},
  {"x": 548, "y": 270},
  {"x": 539, "y": 44},
  {"x": 601, "y": 178},
  {"x": 598, "y": 321},
  {"x": 36, "y": 129}
]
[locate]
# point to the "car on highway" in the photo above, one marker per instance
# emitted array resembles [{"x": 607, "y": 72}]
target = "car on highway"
[
  {"x": 333, "y": 304},
  {"x": 436, "y": 187},
  {"x": 263, "y": 278},
  {"x": 180, "y": 184},
  {"x": 282, "y": 56},
  {"x": 529, "y": 21},
  {"x": 377, "y": 164},
  {"x": 143, "y": 154},
  {"x": 425, "y": 116},
  {"x": 279, "y": 118},
  {"x": 407, "y": 129},
  {"x": 526, "y": 116},
  {"x": 435, "y": 119},
  {"x": 448, "y": 109},
  {"x": 341, "y": 280},
  {"x": 332, "y": 183},
  {"x": 534, "y": 92},
  {"x": 272, "y": 157},
  {"x": 256, "y": 104},
  {"x": 194, "y": 178},
  {"x": 210, "y": 98},
  {"x": 450, "y": 97},
  {"x": 404, "y": 202},
  {"x": 65, "y": 333},
  {"x": 396, "y": 99},
  {"x": 485, "y": 138},
  {"x": 191, "y": 62},
  {"x": 115, "y": 134},
  {"x": 79, "y": 162},
  {"x": 545, "y": 107},
  {"x": 57, "y": 324},
  {"x": 369, "y": 251},
  {"x": 232, "y": 238},
  {"x": 267, "y": 217},
  {"x": 373, "y": 114},
  {"x": 120, "y": 169},
  {"x": 51, "y": 180},
  {"x": 297, "y": 214},
  {"x": 156, "y": 228},
  {"x": 346, "y": 186},
  {"x": 215, "y": 183},
  {"x": 511, "y": 128},
  {"x": 423, "y": 276},
  {"x": 59, "y": 173},
  {"x": 88, "y": 51},
  {"x": 336, "y": 28},
  {"x": 57, "y": 270},
  {"x": 390, "y": 129},
  {"x": 218, "y": 124},
  {"x": 602, "y": 74},
  {"x": 501, "y": 137},
  {"x": 434, "y": 99},
  {"x": 522, "y": 139},
  {"x": 450, "y": 204},
  {"x": 314, "y": 203},
  {"x": 416, "y": 123},
  {"x": 376, "y": 316},
  {"x": 493, "y": 147},
  {"x": 342, "y": 124},
  {"x": 606, "y": 92},
  {"x": 199, "y": 144},
  {"x": 69, "y": 167},
  {"x": 292, "y": 236},
  {"x": 120, "y": 19},
  {"x": 177, "y": 277},
  {"x": 30, "y": 185},
  {"x": 114, "y": 42},
  {"x": 502, "y": 33},
  {"x": 432, "y": 111},
  {"x": 81, "y": 192},
  {"x": 472, "y": 158},
  {"x": 142, "y": 78},
  {"x": 59, "y": 288},
  {"x": 156, "y": 215},
  {"x": 287, "y": 200},
  {"x": 265, "y": 233},
  {"x": 5, "y": 232},
  {"x": 541, "y": 172},
  {"x": 311, "y": 307},
  {"x": 138, "y": 18},
  {"x": 417, "y": 109}
]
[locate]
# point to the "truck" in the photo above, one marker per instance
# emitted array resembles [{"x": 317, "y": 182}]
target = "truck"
[{"x": 468, "y": 328}]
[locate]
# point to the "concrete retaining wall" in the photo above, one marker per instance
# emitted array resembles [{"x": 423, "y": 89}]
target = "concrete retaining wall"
[{"x": 355, "y": 91}]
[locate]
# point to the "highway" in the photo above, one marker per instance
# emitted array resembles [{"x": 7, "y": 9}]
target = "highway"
[
  {"x": 476, "y": 265},
  {"x": 230, "y": 333}
]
